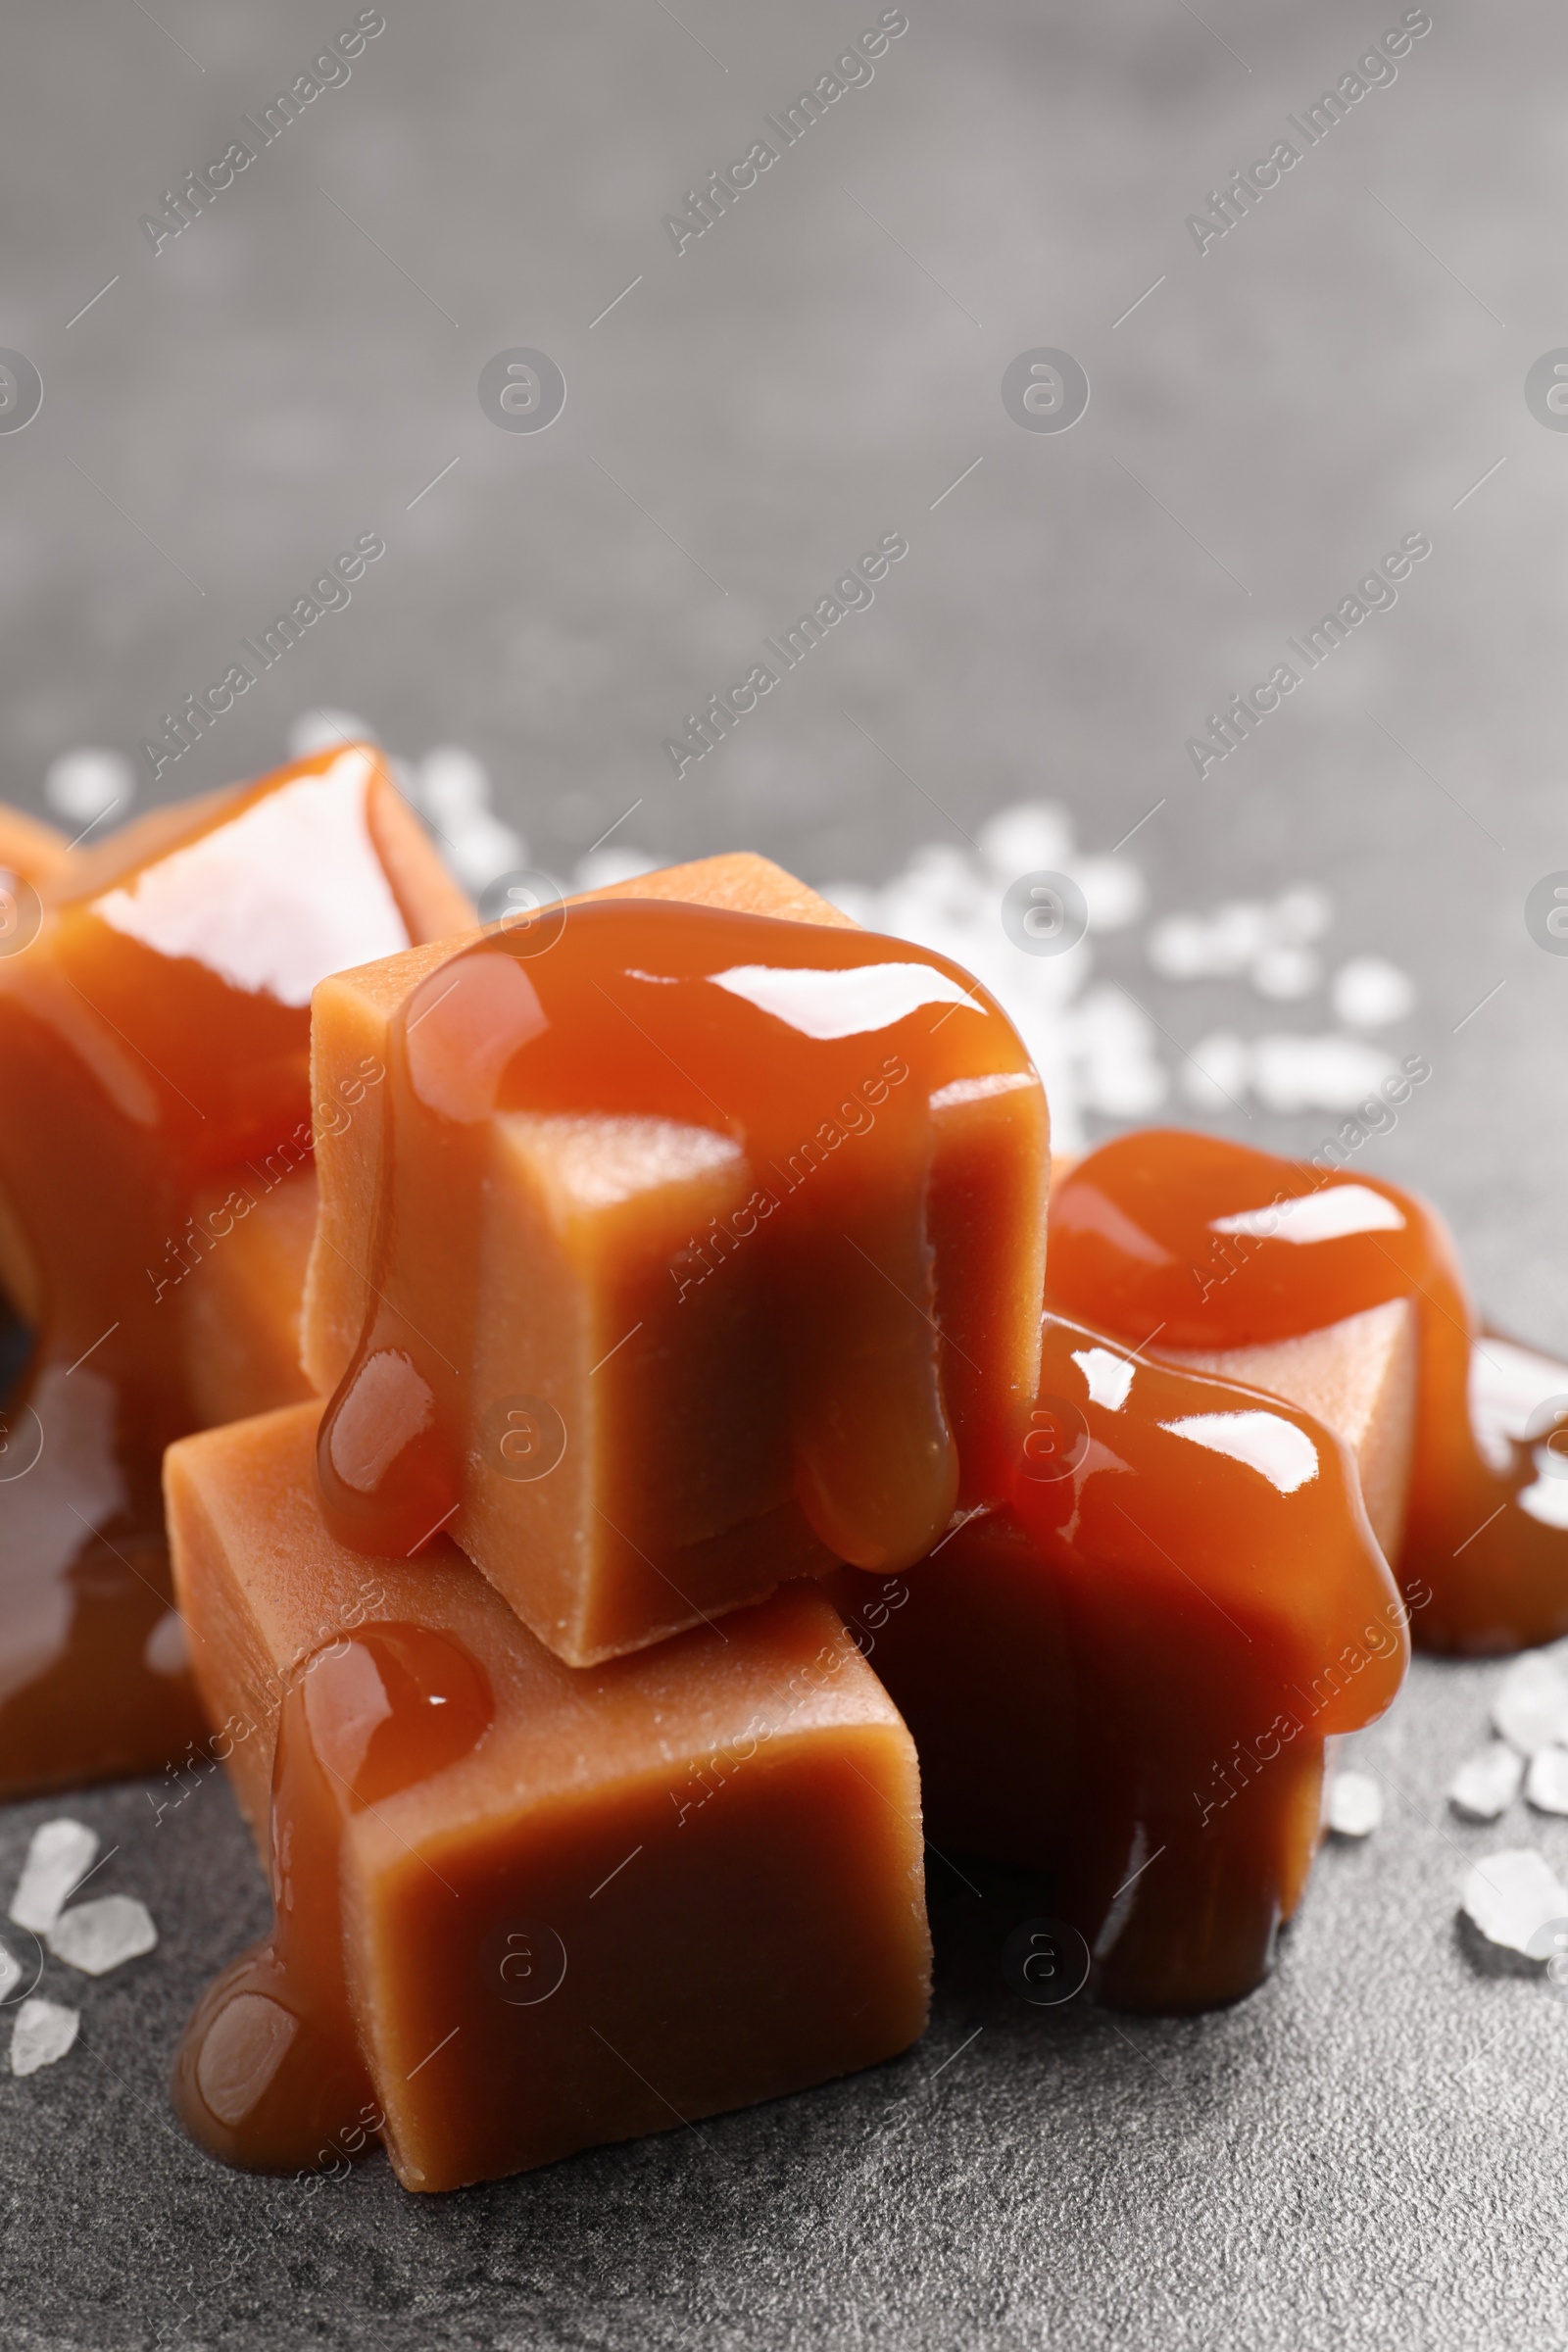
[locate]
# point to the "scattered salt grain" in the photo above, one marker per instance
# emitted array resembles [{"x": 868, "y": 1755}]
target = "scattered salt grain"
[
  {"x": 1285, "y": 973},
  {"x": 1115, "y": 892},
  {"x": 453, "y": 785},
  {"x": 602, "y": 868},
  {"x": 99, "y": 1936},
  {"x": 481, "y": 847},
  {"x": 1510, "y": 1896},
  {"x": 58, "y": 1858},
  {"x": 1217, "y": 1070},
  {"x": 1316, "y": 1073},
  {"x": 323, "y": 731},
  {"x": 43, "y": 2033},
  {"x": 1302, "y": 914},
  {"x": 1368, "y": 993},
  {"x": 1546, "y": 1780},
  {"x": 1355, "y": 1805},
  {"x": 1531, "y": 1708},
  {"x": 1033, "y": 838},
  {"x": 1487, "y": 1784},
  {"x": 82, "y": 786},
  {"x": 1194, "y": 946}
]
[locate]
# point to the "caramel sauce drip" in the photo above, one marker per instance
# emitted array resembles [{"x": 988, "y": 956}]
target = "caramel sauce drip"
[
  {"x": 759, "y": 1030},
  {"x": 153, "y": 1033},
  {"x": 268, "y": 2073},
  {"x": 1124, "y": 1675},
  {"x": 1173, "y": 1240}
]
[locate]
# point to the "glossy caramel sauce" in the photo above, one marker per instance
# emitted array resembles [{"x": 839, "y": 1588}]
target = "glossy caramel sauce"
[
  {"x": 153, "y": 1032},
  {"x": 759, "y": 1029},
  {"x": 1173, "y": 1240},
  {"x": 1123, "y": 1675},
  {"x": 269, "y": 2073}
]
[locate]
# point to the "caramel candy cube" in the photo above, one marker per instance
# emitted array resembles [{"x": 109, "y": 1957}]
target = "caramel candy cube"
[
  {"x": 1358, "y": 1376},
  {"x": 556, "y": 1909},
  {"x": 242, "y": 1305},
  {"x": 155, "y": 1059},
  {"x": 1125, "y": 1676},
  {"x": 587, "y": 1337}
]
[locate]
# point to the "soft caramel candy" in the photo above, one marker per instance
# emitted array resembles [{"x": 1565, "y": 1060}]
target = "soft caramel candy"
[
  {"x": 1214, "y": 1246},
  {"x": 695, "y": 1238},
  {"x": 1125, "y": 1676},
  {"x": 522, "y": 1909},
  {"x": 243, "y": 1310},
  {"x": 154, "y": 1042}
]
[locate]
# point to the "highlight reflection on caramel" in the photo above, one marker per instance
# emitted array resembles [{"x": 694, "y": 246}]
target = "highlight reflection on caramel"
[
  {"x": 154, "y": 1038},
  {"x": 803, "y": 1075},
  {"x": 1186, "y": 1242}
]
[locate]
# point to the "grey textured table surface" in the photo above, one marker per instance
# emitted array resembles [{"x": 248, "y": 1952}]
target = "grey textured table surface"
[{"x": 1372, "y": 2151}]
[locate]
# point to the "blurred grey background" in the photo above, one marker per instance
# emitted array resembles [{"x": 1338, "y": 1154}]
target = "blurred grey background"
[{"x": 822, "y": 367}]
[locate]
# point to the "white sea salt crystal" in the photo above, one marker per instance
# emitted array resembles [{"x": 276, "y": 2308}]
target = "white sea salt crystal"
[
  {"x": 942, "y": 878},
  {"x": 1487, "y": 1784},
  {"x": 83, "y": 785},
  {"x": 1511, "y": 1896},
  {"x": 58, "y": 1858},
  {"x": 1316, "y": 1073},
  {"x": 453, "y": 785},
  {"x": 1300, "y": 916},
  {"x": 1237, "y": 933},
  {"x": 43, "y": 2033},
  {"x": 1034, "y": 838},
  {"x": 1285, "y": 973},
  {"x": 479, "y": 849},
  {"x": 1115, "y": 892},
  {"x": 1217, "y": 1070},
  {"x": 1194, "y": 946},
  {"x": 1178, "y": 948},
  {"x": 99, "y": 1936},
  {"x": 1531, "y": 1707},
  {"x": 323, "y": 731},
  {"x": 1546, "y": 1780},
  {"x": 1119, "y": 1059},
  {"x": 1368, "y": 993},
  {"x": 602, "y": 868},
  {"x": 853, "y": 899},
  {"x": 1355, "y": 1805}
]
